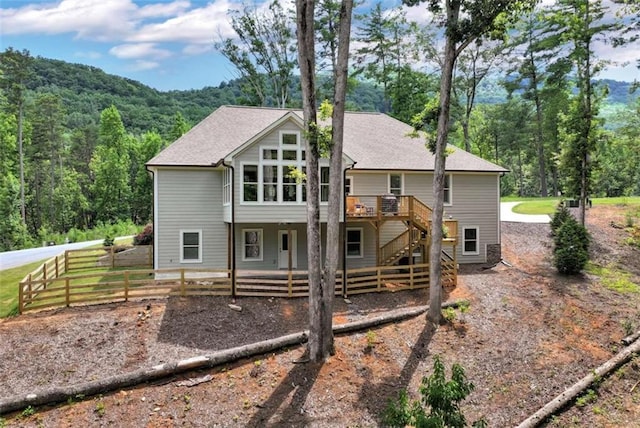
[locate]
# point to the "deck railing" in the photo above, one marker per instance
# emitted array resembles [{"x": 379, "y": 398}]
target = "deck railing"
[{"x": 124, "y": 285}]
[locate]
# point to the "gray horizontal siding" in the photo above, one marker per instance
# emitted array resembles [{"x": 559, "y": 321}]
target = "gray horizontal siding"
[{"x": 190, "y": 199}]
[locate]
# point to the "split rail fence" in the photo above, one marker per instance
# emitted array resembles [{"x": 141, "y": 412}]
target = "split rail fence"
[{"x": 40, "y": 292}]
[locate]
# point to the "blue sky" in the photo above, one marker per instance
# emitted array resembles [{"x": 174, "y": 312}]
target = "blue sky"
[{"x": 166, "y": 44}]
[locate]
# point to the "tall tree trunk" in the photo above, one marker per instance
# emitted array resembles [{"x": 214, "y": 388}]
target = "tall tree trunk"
[
  {"x": 306, "y": 59},
  {"x": 335, "y": 178},
  {"x": 435, "y": 265},
  {"x": 23, "y": 211},
  {"x": 540, "y": 140}
]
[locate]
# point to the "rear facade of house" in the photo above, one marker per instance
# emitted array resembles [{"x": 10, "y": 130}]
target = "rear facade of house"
[{"x": 224, "y": 195}]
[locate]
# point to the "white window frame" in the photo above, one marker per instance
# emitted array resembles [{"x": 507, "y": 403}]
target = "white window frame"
[
  {"x": 401, "y": 183},
  {"x": 448, "y": 201},
  {"x": 321, "y": 184},
  {"x": 283, "y": 133},
  {"x": 258, "y": 183},
  {"x": 199, "y": 259},
  {"x": 346, "y": 243},
  {"x": 226, "y": 186},
  {"x": 464, "y": 241},
  {"x": 348, "y": 184},
  {"x": 244, "y": 245}
]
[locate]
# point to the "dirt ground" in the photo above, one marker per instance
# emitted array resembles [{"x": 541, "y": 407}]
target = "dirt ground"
[{"x": 528, "y": 335}]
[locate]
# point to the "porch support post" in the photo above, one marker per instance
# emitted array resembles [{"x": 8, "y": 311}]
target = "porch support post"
[{"x": 290, "y": 261}]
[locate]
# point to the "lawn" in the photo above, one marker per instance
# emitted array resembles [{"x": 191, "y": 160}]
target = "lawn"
[
  {"x": 9, "y": 279},
  {"x": 548, "y": 205}
]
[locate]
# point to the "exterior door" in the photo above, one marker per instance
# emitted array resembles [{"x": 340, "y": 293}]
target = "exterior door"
[{"x": 283, "y": 249}]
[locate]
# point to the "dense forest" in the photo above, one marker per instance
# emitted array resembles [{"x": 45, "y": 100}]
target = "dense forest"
[{"x": 74, "y": 140}]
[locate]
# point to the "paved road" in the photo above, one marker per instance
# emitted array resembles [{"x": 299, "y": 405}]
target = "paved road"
[
  {"x": 10, "y": 259},
  {"x": 507, "y": 214}
]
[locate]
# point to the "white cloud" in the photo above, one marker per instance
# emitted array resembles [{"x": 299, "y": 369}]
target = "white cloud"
[
  {"x": 142, "y": 65},
  {"x": 139, "y": 50},
  {"x": 197, "y": 49},
  {"x": 201, "y": 25}
]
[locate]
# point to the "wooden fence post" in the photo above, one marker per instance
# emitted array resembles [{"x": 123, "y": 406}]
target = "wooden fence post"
[
  {"x": 21, "y": 298},
  {"x": 411, "y": 276},
  {"x": 290, "y": 282},
  {"x": 44, "y": 275},
  {"x": 113, "y": 258},
  {"x": 183, "y": 290},
  {"x": 57, "y": 271},
  {"x": 30, "y": 288},
  {"x": 66, "y": 261},
  {"x": 126, "y": 285},
  {"x": 378, "y": 272},
  {"x": 67, "y": 293}
]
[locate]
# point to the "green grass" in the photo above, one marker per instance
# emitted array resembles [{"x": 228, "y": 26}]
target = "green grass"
[
  {"x": 9, "y": 279},
  {"x": 548, "y": 205},
  {"x": 613, "y": 278}
]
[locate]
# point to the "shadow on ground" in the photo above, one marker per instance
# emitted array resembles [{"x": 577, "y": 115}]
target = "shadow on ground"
[{"x": 208, "y": 323}]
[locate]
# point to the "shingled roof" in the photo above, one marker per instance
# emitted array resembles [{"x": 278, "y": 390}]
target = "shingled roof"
[{"x": 373, "y": 140}]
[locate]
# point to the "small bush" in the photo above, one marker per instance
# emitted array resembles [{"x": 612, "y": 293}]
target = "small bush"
[
  {"x": 571, "y": 251},
  {"x": 108, "y": 241},
  {"x": 561, "y": 215},
  {"x": 145, "y": 237},
  {"x": 440, "y": 397}
]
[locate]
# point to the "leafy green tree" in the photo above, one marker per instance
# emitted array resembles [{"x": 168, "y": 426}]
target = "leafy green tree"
[
  {"x": 13, "y": 232},
  {"x": 15, "y": 69},
  {"x": 179, "y": 128},
  {"x": 580, "y": 23},
  {"x": 142, "y": 202},
  {"x": 72, "y": 206},
  {"x": 263, "y": 53},
  {"x": 47, "y": 143},
  {"x": 464, "y": 21},
  {"x": 110, "y": 167}
]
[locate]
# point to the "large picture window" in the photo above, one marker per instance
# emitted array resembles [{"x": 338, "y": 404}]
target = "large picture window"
[
  {"x": 252, "y": 244},
  {"x": 470, "y": 241},
  {"x": 354, "y": 242},
  {"x": 190, "y": 246}
]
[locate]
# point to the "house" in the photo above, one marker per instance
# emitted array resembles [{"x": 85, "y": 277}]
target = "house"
[{"x": 224, "y": 196}]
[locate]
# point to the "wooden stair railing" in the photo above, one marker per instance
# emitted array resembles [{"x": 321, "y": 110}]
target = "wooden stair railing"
[
  {"x": 399, "y": 247},
  {"x": 421, "y": 214}
]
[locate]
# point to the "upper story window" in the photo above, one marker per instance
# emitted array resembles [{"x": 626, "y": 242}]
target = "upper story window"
[
  {"x": 324, "y": 184},
  {"x": 448, "y": 196},
  {"x": 226, "y": 186},
  {"x": 270, "y": 180},
  {"x": 289, "y": 138},
  {"x": 395, "y": 184},
  {"x": 348, "y": 185},
  {"x": 250, "y": 183}
]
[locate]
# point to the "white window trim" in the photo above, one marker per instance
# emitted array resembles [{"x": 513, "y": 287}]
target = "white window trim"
[
  {"x": 361, "y": 255},
  {"x": 227, "y": 179},
  {"x": 321, "y": 185},
  {"x": 242, "y": 201},
  {"x": 401, "y": 182},
  {"x": 182, "y": 232},
  {"x": 349, "y": 178},
  {"x": 244, "y": 244},
  {"x": 471, "y": 253},
  {"x": 450, "y": 202},
  {"x": 281, "y": 140}
]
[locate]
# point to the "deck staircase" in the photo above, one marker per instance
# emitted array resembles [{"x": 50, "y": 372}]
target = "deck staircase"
[{"x": 404, "y": 244}]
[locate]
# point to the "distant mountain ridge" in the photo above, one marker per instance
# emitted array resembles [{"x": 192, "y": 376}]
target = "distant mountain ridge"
[{"x": 87, "y": 90}]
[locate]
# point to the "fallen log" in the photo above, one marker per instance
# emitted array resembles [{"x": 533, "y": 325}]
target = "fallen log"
[
  {"x": 632, "y": 338},
  {"x": 136, "y": 377},
  {"x": 581, "y": 386}
]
